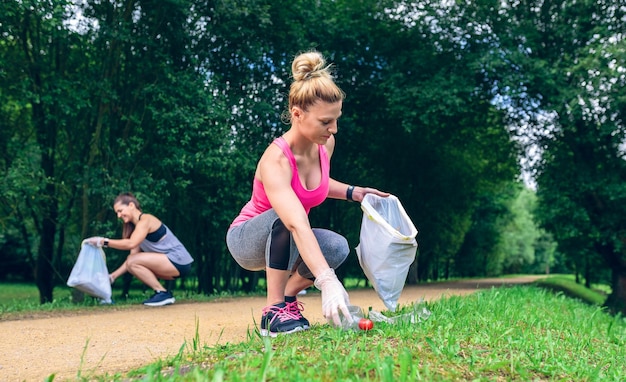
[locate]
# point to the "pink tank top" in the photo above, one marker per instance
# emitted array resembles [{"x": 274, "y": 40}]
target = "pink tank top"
[{"x": 309, "y": 198}]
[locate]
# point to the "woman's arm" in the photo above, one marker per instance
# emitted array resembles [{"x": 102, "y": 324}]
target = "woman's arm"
[
  {"x": 275, "y": 173},
  {"x": 339, "y": 190},
  {"x": 139, "y": 234}
]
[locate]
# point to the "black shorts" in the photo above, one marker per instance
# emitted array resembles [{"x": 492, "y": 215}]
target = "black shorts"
[{"x": 183, "y": 270}]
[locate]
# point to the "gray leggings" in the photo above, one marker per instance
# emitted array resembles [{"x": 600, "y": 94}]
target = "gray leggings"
[{"x": 249, "y": 244}]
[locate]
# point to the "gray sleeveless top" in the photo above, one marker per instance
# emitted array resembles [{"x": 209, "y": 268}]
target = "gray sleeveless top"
[{"x": 169, "y": 245}]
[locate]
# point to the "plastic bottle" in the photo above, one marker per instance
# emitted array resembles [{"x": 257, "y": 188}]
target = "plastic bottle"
[
  {"x": 356, "y": 313},
  {"x": 419, "y": 313}
]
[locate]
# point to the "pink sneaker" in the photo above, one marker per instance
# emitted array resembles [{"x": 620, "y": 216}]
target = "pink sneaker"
[
  {"x": 295, "y": 307},
  {"x": 277, "y": 319}
]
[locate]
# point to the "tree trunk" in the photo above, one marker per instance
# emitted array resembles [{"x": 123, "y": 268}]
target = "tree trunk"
[
  {"x": 588, "y": 276},
  {"x": 44, "y": 270},
  {"x": 413, "y": 276},
  {"x": 616, "y": 302},
  {"x": 48, "y": 209},
  {"x": 423, "y": 265}
]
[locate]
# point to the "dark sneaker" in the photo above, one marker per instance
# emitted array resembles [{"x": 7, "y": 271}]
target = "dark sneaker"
[
  {"x": 160, "y": 298},
  {"x": 295, "y": 307},
  {"x": 277, "y": 320}
]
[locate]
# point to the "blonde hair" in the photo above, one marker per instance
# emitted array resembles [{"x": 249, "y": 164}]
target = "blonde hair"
[{"x": 312, "y": 81}]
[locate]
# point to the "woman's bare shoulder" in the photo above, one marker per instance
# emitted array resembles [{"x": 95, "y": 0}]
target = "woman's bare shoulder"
[
  {"x": 152, "y": 222},
  {"x": 273, "y": 162}
]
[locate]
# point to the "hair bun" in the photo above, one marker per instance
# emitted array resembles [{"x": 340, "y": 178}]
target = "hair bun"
[
  {"x": 312, "y": 82},
  {"x": 309, "y": 65}
]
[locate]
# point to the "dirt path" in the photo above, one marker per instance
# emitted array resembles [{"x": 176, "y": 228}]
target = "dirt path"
[{"x": 122, "y": 340}]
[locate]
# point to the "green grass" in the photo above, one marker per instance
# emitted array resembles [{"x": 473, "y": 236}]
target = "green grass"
[
  {"x": 508, "y": 334},
  {"x": 18, "y": 298},
  {"x": 567, "y": 284},
  {"x": 524, "y": 333},
  {"x": 24, "y": 298},
  {"x": 21, "y": 298}
]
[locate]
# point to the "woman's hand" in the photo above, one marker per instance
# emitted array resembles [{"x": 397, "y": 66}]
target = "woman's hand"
[
  {"x": 359, "y": 193},
  {"x": 335, "y": 299},
  {"x": 96, "y": 241}
]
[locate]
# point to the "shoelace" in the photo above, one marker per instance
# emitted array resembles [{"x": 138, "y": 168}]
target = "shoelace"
[
  {"x": 282, "y": 314},
  {"x": 295, "y": 307}
]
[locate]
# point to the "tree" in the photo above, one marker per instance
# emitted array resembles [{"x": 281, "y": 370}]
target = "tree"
[
  {"x": 483, "y": 252},
  {"x": 116, "y": 103},
  {"x": 521, "y": 234},
  {"x": 439, "y": 114},
  {"x": 176, "y": 102},
  {"x": 569, "y": 57},
  {"x": 43, "y": 77}
]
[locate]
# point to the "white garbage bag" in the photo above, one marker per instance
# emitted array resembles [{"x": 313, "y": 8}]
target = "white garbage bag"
[
  {"x": 90, "y": 274},
  {"x": 387, "y": 246}
]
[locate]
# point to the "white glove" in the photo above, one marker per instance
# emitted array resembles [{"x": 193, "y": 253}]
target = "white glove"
[
  {"x": 334, "y": 297},
  {"x": 96, "y": 241}
]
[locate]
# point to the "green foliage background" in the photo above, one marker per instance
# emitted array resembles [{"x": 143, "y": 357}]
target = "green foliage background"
[{"x": 175, "y": 101}]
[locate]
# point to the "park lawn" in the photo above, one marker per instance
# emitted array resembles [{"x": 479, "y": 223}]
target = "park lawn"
[
  {"x": 522, "y": 333},
  {"x": 555, "y": 330}
]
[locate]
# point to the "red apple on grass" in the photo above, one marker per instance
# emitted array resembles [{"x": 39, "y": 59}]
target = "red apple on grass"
[{"x": 366, "y": 324}]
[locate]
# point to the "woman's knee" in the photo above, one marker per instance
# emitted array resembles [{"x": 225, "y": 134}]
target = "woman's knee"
[
  {"x": 132, "y": 264},
  {"x": 140, "y": 261},
  {"x": 336, "y": 251}
]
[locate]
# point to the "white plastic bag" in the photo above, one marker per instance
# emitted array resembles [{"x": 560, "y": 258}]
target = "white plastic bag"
[
  {"x": 387, "y": 246},
  {"x": 90, "y": 274}
]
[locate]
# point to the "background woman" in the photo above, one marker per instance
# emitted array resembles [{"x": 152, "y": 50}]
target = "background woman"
[
  {"x": 155, "y": 252},
  {"x": 272, "y": 231}
]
